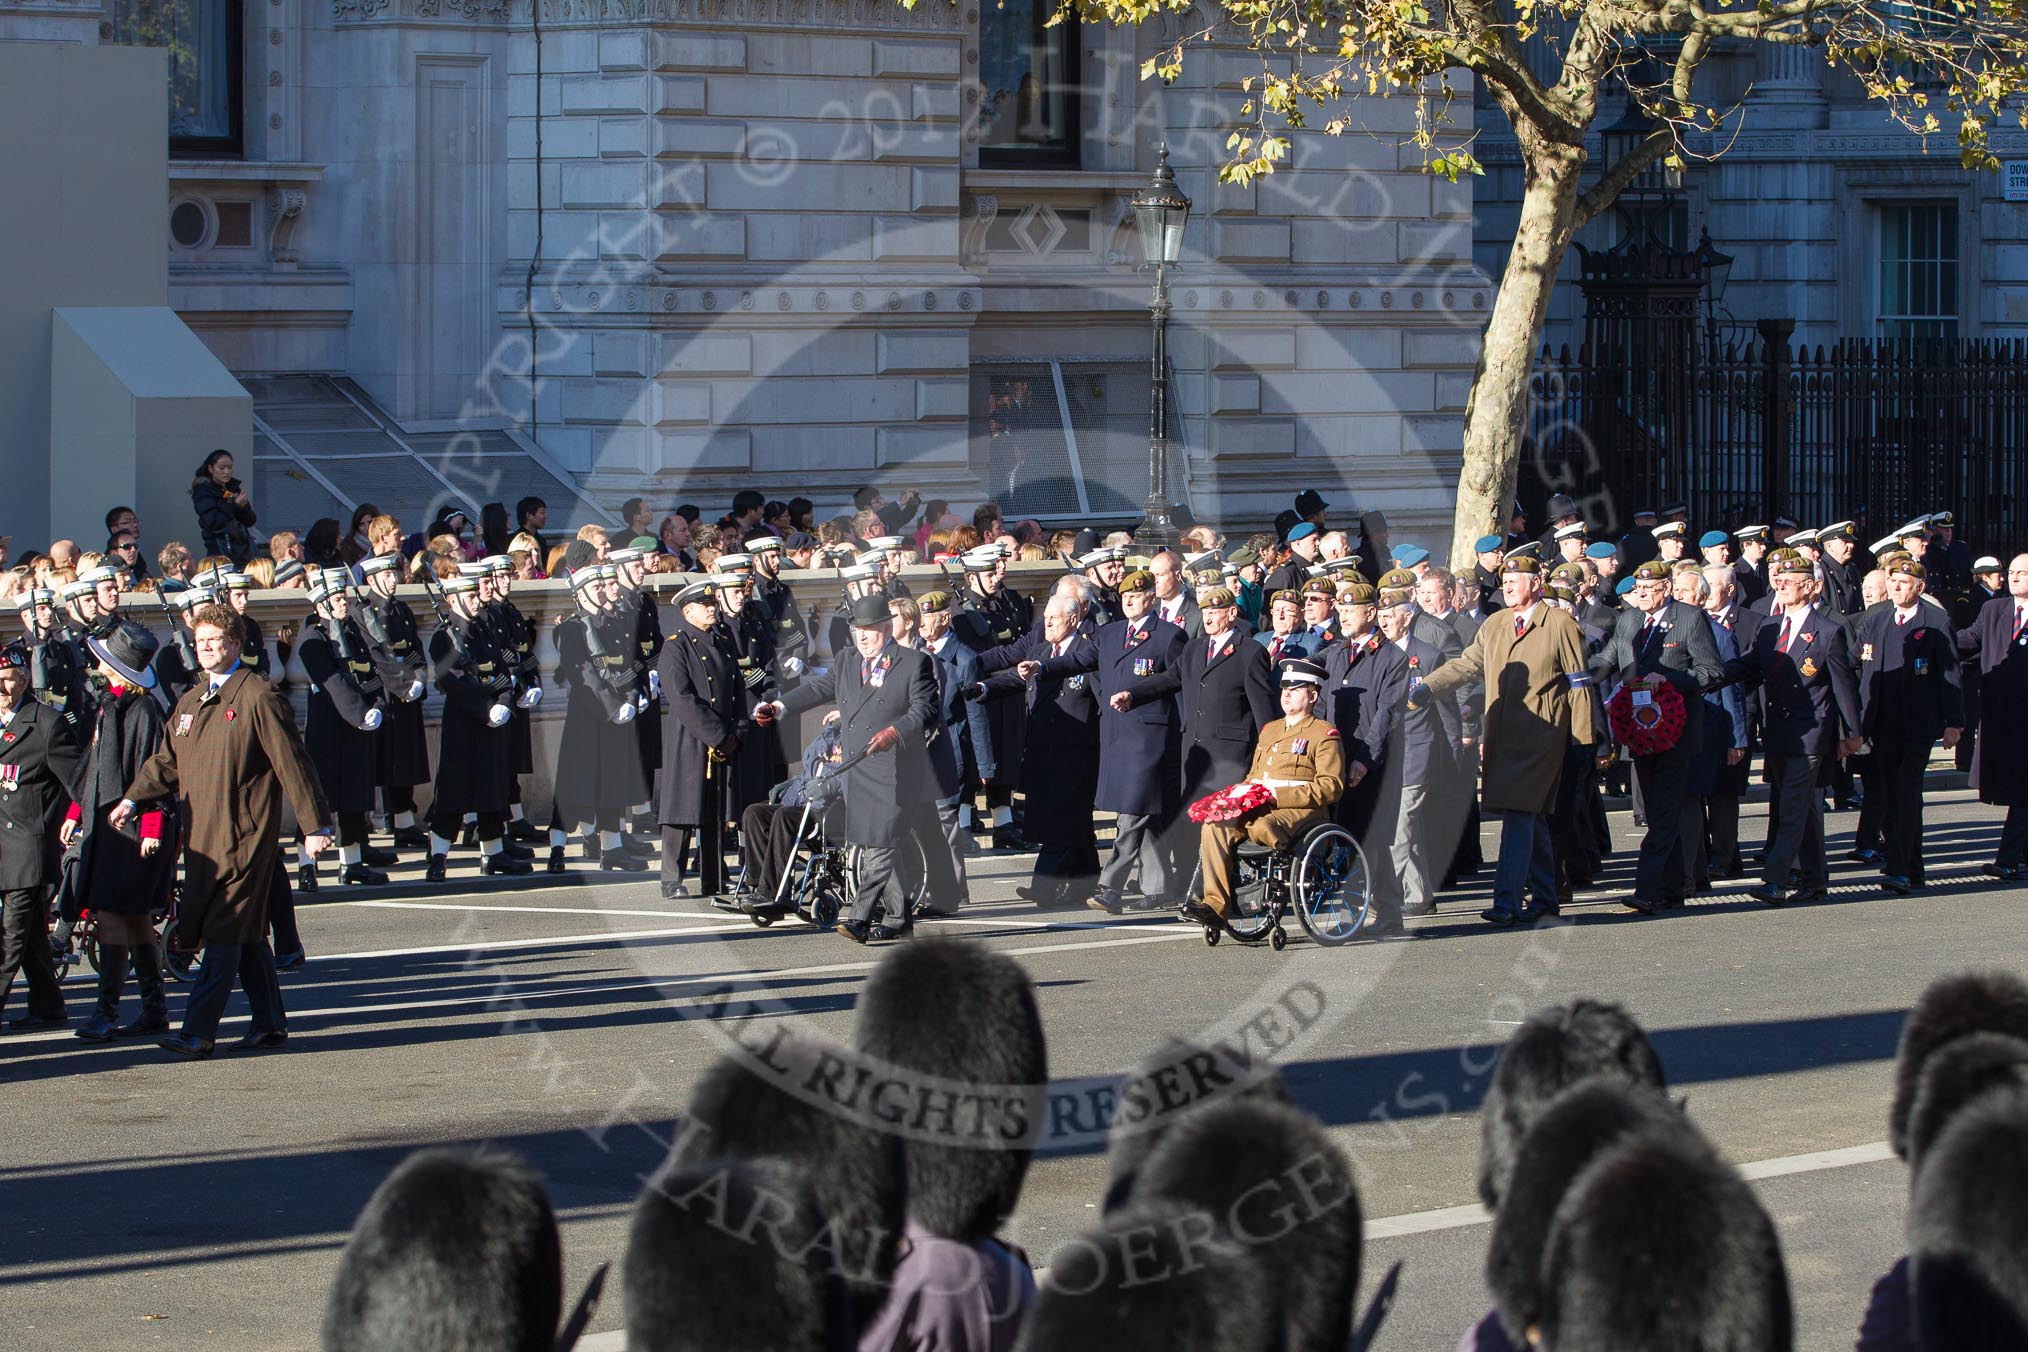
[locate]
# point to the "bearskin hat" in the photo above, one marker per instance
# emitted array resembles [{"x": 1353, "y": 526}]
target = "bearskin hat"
[
  {"x": 1660, "y": 1245},
  {"x": 1274, "y": 1178},
  {"x": 1956, "y": 1075},
  {"x": 1552, "y": 1050},
  {"x": 1155, "y": 1277},
  {"x": 1953, "y": 1006},
  {"x": 457, "y": 1251},
  {"x": 734, "y": 1255},
  {"x": 1968, "y": 1253},
  {"x": 1577, "y": 1126},
  {"x": 954, "y": 1011},
  {"x": 1178, "y": 1078},
  {"x": 855, "y": 1169}
]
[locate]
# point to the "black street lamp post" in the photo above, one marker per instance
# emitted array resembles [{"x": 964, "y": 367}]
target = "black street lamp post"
[{"x": 1160, "y": 211}]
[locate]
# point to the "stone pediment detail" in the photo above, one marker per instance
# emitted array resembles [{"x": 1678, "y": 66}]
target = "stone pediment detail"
[{"x": 883, "y": 16}]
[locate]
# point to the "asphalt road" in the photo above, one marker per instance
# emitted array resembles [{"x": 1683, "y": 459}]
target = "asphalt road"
[{"x": 149, "y": 1202}]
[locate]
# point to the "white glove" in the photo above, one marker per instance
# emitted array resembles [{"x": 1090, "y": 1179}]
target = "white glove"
[
  {"x": 792, "y": 667},
  {"x": 626, "y": 713},
  {"x": 415, "y": 692},
  {"x": 371, "y": 722},
  {"x": 499, "y": 716},
  {"x": 654, "y": 684},
  {"x": 530, "y": 697}
]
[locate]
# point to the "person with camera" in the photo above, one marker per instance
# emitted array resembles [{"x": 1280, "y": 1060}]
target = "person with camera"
[{"x": 224, "y": 513}]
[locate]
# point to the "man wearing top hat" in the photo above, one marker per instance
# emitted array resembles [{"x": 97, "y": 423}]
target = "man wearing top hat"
[
  {"x": 231, "y": 755},
  {"x": 886, "y": 697},
  {"x": 1139, "y": 744},
  {"x": 41, "y": 766},
  {"x": 1300, "y": 759}
]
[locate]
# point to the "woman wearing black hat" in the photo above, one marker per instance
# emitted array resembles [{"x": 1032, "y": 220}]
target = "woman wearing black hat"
[{"x": 123, "y": 873}]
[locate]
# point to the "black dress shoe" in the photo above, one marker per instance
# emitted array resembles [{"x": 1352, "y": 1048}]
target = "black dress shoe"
[
  {"x": 637, "y": 846},
  {"x": 922, "y": 910},
  {"x": 505, "y": 864},
  {"x": 359, "y": 875},
  {"x": 1898, "y": 884},
  {"x": 437, "y": 869},
  {"x": 29, "y": 1023},
  {"x": 858, "y": 931},
  {"x": 1865, "y": 856},
  {"x": 411, "y": 838},
  {"x": 306, "y": 878},
  {"x": 526, "y": 832},
  {"x": 1810, "y": 894},
  {"x": 619, "y": 861},
  {"x": 1771, "y": 896},
  {"x": 1641, "y": 904},
  {"x": 2005, "y": 873},
  {"x": 374, "y": 857},
  {"x": 260, "y": 1042},
  {"x": 1041, "y": 896},
  {"x": 1499, "y": 915},
  {"x": 1427, "y": 908},
  {"x": 144, "y": 1026},
  {"x": 1007, "y": 838},
  {"x": 100, "y": 1029},
  {"x": 882, "y": 931},
  {"x": 516, "y": 851},
  {"x": 1107, "y": 900},
  {"x": 675, "y": 891},
  {"x": 289, "y": 962},
  {"x": 185, "y": 1045},
  {"x": 1200, "y": 913}
]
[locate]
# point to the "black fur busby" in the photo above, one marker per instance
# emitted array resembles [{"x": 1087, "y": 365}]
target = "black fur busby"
[
  {"x": 1660, "y": 1245},
  {"x": 1175, "y": 1080},
  {"x": 855, "y": 1170},
  {"x": 734, "y": 1255},
  {"x": 1579, "y": 1125},
  {"x": 1956, "y": 1075},
  {"x": 955, "y": 1013},
  {"x": 1952, "y": 1007},
  {"x": 1968, "y": 1230},
  {"x": 1279, "y": 1185},
  {"x": 1552, "y": 1050},
  {"x": 577, "y": 554},
  {"x": 1155, "y": 1277},
  {"x": 455, "y": 1252}
]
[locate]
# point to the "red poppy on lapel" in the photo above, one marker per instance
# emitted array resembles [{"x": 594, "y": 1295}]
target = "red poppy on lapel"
[
  {"x": 1414, "y": 662},
  {"x": 228, "y": 715},
  {"x": 6, "y": 736}
]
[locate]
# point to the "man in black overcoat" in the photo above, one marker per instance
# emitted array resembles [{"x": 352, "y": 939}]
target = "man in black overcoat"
[
  {"x": 346, "y": 708},
  {"x": 995, "y": 614},
  {"x": 401, "y": 751},
  {"x": 1365, "y": 682},
  {"x": 474, "y": 749},
  {"x": 708, "y": 714},
  {"x": 1998, "y": 641},
  {"x": 1908, "y": 690},
  {"x": 962, "y": 756},
  {"x": 1139, "y": 742}
]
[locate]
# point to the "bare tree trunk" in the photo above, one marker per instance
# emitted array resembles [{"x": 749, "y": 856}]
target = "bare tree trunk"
[{"x": 1499, "y": 400}]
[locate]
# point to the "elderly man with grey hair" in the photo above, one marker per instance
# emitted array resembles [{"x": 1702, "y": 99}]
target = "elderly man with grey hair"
[{"x": 1723, "y": 749}]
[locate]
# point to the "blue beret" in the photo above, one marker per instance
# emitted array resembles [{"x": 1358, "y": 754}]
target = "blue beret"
[
  {"x": 1623, "y": 586},
  {"x": 1302, "y": 531},
  {"x": 1488, "y": 543},
  {"x": 1408, "y": 556},
  {"x": 1602, "y": 550},
  {"x": 1712, "y": 537}
]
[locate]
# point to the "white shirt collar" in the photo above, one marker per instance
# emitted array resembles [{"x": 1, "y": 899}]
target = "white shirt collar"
[
  {"x": 1904, "y": 616},
  {"x": 217, "y": 681}
]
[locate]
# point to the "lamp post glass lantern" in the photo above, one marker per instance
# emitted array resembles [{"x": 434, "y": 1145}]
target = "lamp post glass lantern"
[{"x": 1160, "y": 213}]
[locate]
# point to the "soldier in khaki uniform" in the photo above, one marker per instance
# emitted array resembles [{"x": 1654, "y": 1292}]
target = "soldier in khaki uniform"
[{"x": 1302, "y": 759}]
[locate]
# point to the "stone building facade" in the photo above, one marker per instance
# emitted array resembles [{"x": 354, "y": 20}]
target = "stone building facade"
[{"x": 677, "y": 248}]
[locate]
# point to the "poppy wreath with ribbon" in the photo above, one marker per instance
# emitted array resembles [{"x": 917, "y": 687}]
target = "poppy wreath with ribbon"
[
  {"x": 1649, "y": 730},
  {"x": 1231, "y": 803}
]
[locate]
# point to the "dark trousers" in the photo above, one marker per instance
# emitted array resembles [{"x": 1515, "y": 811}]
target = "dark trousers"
[
  {"x": 24, "y": 947},
  {"x": 397, "y": 798},
  {"x": 1797, "y": 838},
  {"x": 253, "y": 966},
  {"x": 1074, "y": 865},
  {"x": 935, "y": 828},
  {"x": 767, "y": 837},
  {"x": 1873, "y": 811},
  {"x": 1570, "y": 823},
  {"x": 1660, "y": 780},
  {"x": 882, "y": 894},
  {"x": 1898, "y": 767},
  {"x": 449, "y": 825},
  {"x": 710, "y": 842},
  {"x": 1721, "y": 816},
  {"x": 282, "y": 912},
  {"x": 1527, "y": 864},
  {"x": 1690, "y": 843},
  {"x": 2013, "y": 838}
]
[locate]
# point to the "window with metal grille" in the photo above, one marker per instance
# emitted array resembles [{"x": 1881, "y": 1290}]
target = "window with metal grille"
[
  {"x": 1065, "y": 438},
  {"x": 1918, "y": 270}
]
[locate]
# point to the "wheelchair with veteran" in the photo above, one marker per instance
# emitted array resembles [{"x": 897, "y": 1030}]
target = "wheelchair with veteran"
[
  {"x": 794, "y": 860},
  {"x": 1283, "y": 852}
]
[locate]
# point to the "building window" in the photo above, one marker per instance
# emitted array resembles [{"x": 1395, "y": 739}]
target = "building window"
[
  {"x": 1028, "y": 111},
  {"x": 1918, "y": 270},
  {"x": 1065, "y": 439},
  {"x": 204, "y": 39}
]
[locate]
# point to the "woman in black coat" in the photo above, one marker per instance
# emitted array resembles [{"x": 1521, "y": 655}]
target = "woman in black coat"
[
  {"x": 224, "y": 513},
  {"x": 123, "y": 875}
]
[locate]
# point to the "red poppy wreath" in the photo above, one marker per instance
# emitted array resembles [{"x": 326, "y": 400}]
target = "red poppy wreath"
[
  {"x": 1231, "y": 803},
  {"x": 1647, "y": 729}
]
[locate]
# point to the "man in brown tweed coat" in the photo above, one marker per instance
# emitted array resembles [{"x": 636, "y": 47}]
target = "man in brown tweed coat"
[{"x": 231, "y": 753}]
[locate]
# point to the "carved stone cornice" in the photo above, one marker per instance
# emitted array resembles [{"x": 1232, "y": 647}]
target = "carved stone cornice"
[{"x": 938, "y": 17}]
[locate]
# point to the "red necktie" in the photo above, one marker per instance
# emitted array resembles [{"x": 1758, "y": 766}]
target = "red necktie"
[
  {"x": 2020, "y": 620},
  {"x": 1275, "y": 649},
  {"x": 1788, "y": 631},
  {"x": 1520, "y": 625}
]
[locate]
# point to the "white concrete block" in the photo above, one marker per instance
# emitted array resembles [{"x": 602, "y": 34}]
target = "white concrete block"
[
  {"x": 934, "y": 103},
  {"x": 921, "y": 350},
  {"x": 700, "y": 235},
  {"x": 1432, "y": 241},
  {"x": 1252, "y": 438},
  {"x": 1440, "y": 347},
  {"x": 1235, "y": 394},
  {"x": 1236, "y": 239},
  {"x": 943, "y": 398},
  {"x": 682, "y": 401},
  {"x": 623, "y": 137},
  {"x": 932, "y": 60},
  {"x": 679, "y": 94},
  {"x": 720, "y": 448},
  {"x": 618, "y": 352},
  {"x": 1252, "y": 349},
  {"x": 922, "y": 446},
  {"x": 624, "y": 402},
  {"x": 626, "y": 51},
  {"x": 812, "y": 449},
  {"x": 836, "y": 187},
  {"x": 934, "y": 189},
  {"x": 604, "y": 93},
  {"x": 710, "y": 353},
  {"x": 593, "y": 184},
  {"x": 915, "y": 237},
  {"x": 675, "y": 138},
  {"x": 684, "y": 50}
]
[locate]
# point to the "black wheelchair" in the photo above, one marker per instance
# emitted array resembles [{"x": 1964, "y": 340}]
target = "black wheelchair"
[
  {"x": 1322, "y": 878},
  {"x": 823, "y": 873}
]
